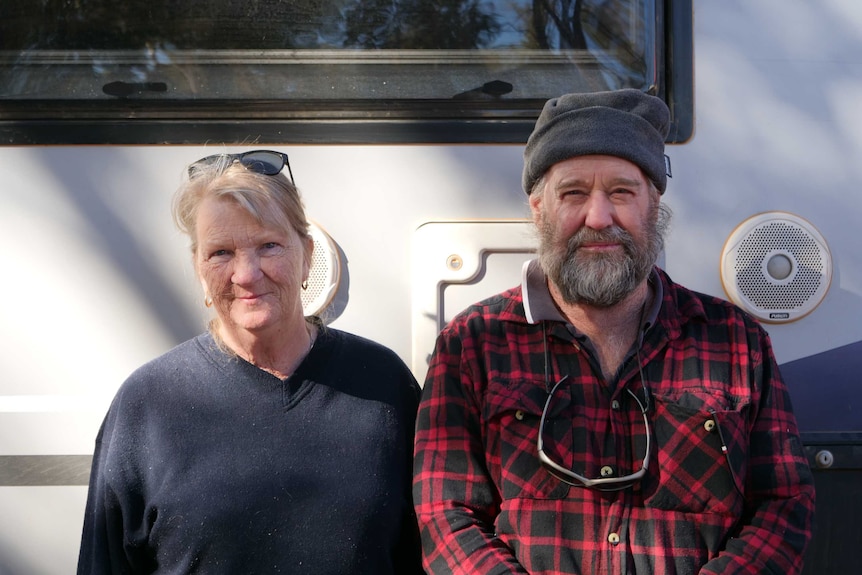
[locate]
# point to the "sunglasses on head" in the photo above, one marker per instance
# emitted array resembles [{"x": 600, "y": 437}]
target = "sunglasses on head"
[{"x": 266, "y": 162}]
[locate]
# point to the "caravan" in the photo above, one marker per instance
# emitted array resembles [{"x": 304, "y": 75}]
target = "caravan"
[{"x": 405, "y": 136}]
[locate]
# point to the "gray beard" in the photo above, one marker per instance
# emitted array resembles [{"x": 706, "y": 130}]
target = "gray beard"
[{"x": 601, "y": 280}]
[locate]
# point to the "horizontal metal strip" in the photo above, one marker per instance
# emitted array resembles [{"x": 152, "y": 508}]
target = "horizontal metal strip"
[{"x": 34, "y": 470}]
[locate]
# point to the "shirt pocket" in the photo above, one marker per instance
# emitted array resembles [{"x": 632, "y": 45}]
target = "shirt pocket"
[
  {"x": 513, "y": 409},
  {"x": 701, "y": 461}
]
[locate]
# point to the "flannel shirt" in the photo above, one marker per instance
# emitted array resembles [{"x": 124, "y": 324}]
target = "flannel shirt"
[{"x": 486, "y": 505}]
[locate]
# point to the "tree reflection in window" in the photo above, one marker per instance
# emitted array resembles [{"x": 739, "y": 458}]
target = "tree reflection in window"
[
  {"x": 324, "y": 50},
  {"x": 310, "y": 24}
]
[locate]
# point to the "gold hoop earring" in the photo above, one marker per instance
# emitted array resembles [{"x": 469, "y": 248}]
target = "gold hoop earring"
[
  {"x": 304, "y": 284},
  {"x": 208, "y": 301}
]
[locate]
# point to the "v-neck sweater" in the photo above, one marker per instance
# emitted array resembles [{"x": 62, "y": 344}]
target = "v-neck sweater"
[{"x": 206, "y": 463}]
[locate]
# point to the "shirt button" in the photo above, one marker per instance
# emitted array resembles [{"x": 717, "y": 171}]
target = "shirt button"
[
  {"x": 709, "y": 425},
  {"x": 613, "y": 538},
  {"x": 607, "y": 471},
  {"x": 519, "y": 415},
  {"x": 615, "y": 404},
  {"x": 576, "y": 345}
]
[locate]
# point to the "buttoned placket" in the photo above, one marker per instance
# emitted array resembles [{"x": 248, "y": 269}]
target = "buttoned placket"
[
  {"x": 616, "y": 519},
  {"x": 580, "y": 351}
]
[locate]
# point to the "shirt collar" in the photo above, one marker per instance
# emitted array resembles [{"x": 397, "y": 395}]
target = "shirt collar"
[{"x": 539, "y": 305}]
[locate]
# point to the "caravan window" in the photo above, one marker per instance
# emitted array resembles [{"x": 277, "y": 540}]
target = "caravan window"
[{"x": 317, "y": 70}]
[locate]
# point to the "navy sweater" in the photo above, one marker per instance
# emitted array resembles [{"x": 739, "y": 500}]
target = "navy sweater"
[{"x": 207, "y": 464}]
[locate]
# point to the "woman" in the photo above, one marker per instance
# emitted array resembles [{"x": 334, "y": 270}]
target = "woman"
[{"x": 271, "y": 443}]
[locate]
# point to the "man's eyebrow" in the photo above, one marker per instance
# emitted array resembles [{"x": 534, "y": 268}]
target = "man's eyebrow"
[
  {"x": 583, "y": 182},
  {"x": 629, "y": 182},
  {"x": 571, "y": 182}
]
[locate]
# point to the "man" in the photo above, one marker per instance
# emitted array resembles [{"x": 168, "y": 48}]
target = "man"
[{"x": 600, "y": 418}]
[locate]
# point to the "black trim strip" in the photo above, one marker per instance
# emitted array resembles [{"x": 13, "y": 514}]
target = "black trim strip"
[{"x": 262, "y": 132}]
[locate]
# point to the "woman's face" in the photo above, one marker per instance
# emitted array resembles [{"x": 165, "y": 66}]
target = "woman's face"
[{"x": 252, "y": 271}]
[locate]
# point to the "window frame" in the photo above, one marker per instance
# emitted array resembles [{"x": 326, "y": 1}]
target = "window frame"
[{"x": 482, "y": 121}]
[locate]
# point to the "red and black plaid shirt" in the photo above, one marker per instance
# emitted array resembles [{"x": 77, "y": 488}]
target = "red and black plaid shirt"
[{"x": 487, "y": 506}]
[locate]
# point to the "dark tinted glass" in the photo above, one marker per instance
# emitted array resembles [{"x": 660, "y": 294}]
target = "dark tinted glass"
[{"x": 336, "y": 49}]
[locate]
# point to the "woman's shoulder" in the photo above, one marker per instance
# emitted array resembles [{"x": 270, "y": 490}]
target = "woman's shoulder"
[
  {"x": 180, "y": 353},
  {"x": 361, "y": 354},
  {"x": 191, "y": 356},
  {"x": 353, "y": 344}
]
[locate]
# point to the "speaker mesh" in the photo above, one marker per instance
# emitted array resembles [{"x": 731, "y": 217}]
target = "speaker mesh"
[
  {"x": 776, "y": 266},
  {"x": 324, "y": 273},
  {"x": 763, "y": 291},
  {"x": 320, "y": 274}
]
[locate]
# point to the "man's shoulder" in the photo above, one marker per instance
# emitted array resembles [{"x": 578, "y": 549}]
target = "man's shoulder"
[
  {"x": 507, "y": 306},
  {"x": 691, "y": 305}
]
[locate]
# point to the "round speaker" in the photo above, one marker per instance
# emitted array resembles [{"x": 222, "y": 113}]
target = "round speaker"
[
  {"x": 324, "y": 274},
  {"x": 776, "y": 266}
]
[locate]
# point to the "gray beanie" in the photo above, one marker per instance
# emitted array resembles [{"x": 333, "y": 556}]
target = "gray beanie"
[{"x": 625, "y": 123}]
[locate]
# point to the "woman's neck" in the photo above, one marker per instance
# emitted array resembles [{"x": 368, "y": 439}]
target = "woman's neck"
[{"x": 278, "y": 353}]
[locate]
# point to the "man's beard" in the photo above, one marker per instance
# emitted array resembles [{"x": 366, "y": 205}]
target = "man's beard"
[{"x": 601, "y": 279}]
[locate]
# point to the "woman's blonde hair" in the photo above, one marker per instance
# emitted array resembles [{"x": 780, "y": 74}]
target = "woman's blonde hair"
[{"x": 272, "y": 200}]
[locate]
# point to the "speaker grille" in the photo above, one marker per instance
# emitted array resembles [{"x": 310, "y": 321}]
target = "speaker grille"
[
  {"x": 754, "y": 281},
  {"x": 324, "y": 273},
  {"x": 776, "y": 266}
]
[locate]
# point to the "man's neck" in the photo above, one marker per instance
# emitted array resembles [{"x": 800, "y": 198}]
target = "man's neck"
[{"x": 612, "y": 330}]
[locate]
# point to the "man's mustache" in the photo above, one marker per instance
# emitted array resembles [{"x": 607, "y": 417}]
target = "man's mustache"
[{"x": 613, "y": 234}]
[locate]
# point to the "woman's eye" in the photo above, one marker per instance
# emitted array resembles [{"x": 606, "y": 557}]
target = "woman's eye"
[
  {"x": 271, "y": 247},
  {"x": 218, "y": 254}
]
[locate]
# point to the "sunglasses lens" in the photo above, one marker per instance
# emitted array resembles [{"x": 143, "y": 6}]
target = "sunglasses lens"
[
  {"x": 267, "y": 163},
  {"x": 263, "y": 162}
]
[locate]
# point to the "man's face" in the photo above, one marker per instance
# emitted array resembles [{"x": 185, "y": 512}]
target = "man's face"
[{"x": 599, "y": 228}]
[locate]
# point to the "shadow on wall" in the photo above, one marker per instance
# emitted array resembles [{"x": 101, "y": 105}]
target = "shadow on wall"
[
  {"x": 7, "y": 564},
  {"x": 101, "y": 192}
]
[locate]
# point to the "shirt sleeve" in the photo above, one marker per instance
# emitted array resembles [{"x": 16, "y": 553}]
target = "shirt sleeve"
[
  {"x": 104, "y": 547},
  {"x": 779, "y": 494},
  {"x": 456, "y": 500},
  {"x": 407, "y": 550}
]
